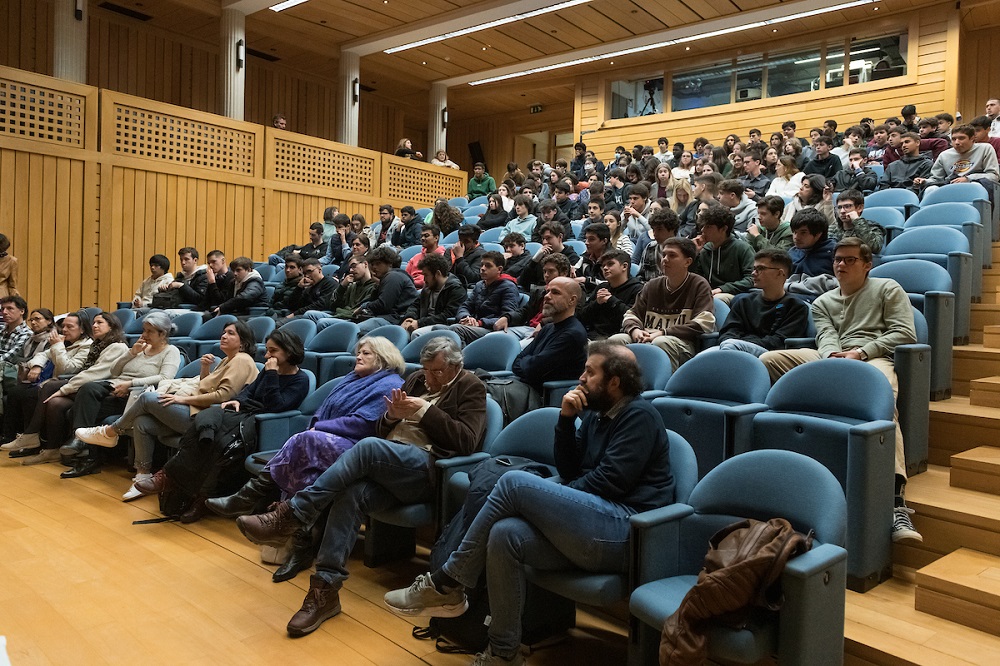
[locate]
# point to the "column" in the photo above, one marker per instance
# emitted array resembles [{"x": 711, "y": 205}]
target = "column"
[
  {"x": 349, "y": 98},
  {"x": 70, "y": 36},
  {"x": 233, "y": 72},
  {"x": 437, "y": 133}
]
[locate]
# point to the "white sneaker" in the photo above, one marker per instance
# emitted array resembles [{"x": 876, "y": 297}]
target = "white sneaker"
[
  {"x": 902, "y": 526},
  {"x": 133, "y": 492},
  {"x": 103, "y": 435},
  {"x": 422, "y": 598},
  {"x": 22, "y": 441}
]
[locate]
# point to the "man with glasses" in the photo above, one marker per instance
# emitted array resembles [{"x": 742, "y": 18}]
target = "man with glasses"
[
  {"x": 850, "y": 206},
  {"x": 317, "y": 290},
  {"x": 440, "y": 412},
  {"x": 864, "y": 318},
  {"x": 760, "y": 322}
]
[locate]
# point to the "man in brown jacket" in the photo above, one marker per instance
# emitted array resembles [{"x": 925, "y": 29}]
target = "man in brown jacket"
[{"x": 439, "y": 412}]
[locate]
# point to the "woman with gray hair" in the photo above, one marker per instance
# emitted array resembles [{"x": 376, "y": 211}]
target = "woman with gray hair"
[{"x": 150, "y": 360}]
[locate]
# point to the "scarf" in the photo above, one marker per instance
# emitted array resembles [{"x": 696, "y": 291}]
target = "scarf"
[
  {"x": 360, "y": 396},
  {"x": 240, "y": 284}
]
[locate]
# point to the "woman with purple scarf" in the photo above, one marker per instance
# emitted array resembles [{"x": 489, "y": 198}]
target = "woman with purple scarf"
[{"x": 347, "y": 416}]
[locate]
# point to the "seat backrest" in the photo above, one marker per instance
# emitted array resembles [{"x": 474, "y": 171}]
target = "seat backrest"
[
  {"x": 773, "y": 483},
  {"x": 721, "y": 311},
  {"x": 491, "y": 235},
  {"x": 185, "y": 324},
  {"x": 397, "y": 335},
  {"x": 725, "y": 375},
  {"x": 494, "y": 351},
  {"x": 578, "y": 246},
  {"x": 683, "y": 466},
  {"x": 408, "y": 253},
  {"x": 316, "y": 398},
  {"x": 655, "y": 365},
  {"x": 915, "y": 276},
  {"x": 212, "y": 329},
  {"x": 927, "y": 240},
  {"x": 920, "y": 325},
  {"x": 411, "y": 352},
  {"x": 950, "y": 214},
  {"x": 266, "y": 271},
  {"x": 894, "y": 197},
  {"x": 530, "y": 435},
  {"x": 338, "y": 336},
  {"x": 261, "y": 327},
  {"x": 304, "y": 328},
  {"x": 451, "y": 238},
  {"x": 474, "y": 210},
  {"x": 134, "y": 326},
  {"x": 479, "y": 201},
  {"x": 836, "y": 387},
  {"x": 967, "y": 192},
  {"x": 887, "y": 217},
  {"x": 125, "y": 316},
  {"x": 193, "y": 369},
  {"x": 494, "y": 421},
  {"x": 458, "y": 201}
]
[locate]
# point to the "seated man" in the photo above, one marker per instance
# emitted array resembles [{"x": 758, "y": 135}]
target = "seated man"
[
  {"x": 245, "y": 291},
  {"x": 930, "y": 148},
  {"x": 864, "y": 318},
  {"x": 812, "y": 255},
  {"x": 522, "y": 220},
  {"x": 878, "y": 144},
  {"x": 218, "y": 280},
  {"x": 515, "y": 254},
  {"x": 735, "y": 200},
  {"x": 547, "y": 213},
  {"x": 587, "y": 271},
  {"x": 605, "y": 309},
  {"x": 770, "y": 231},
  {"x": 673, "y": 310},
  {"x": 552, "y": 243},
  {"x": 981, "y": 126},
  {"x": 317, "y": 290},
  {"x": 393, "y": 296},
  {"x": 15, "y": 332},
  {"x": 855, "y": 175},
  {"x": 755, "y": 180},
  {"x": 314, "y": 249},
  {"x": 850, "y": 208},
  {"x": 664, "y": 224},
  {"x": 760, "y": 322},
  {"x": 439, "y": 413},
  {"x": 439, "y": 300},
  {"x": 481, "y": 184},
  {"x": 357, "y": 287},
  {"x": 467, "y": 254},
  {"x": 159, "y": 276},
  {"x": 615, "y": 465},
  {"x": 289, "y": 294},
  {"x": 724, "y": 260},
  {"x": 966, "y": 162},
  {"x": 430, "y": 236},
  {"x": 408, "y": 233},
  {"x": 560, "y": 194},
  {"x": 825, "y": 163},
  {"x": 909, "y": 167},
  {"x": 526, "y": 321},
  {"x": 338, "y": 248},
  {"x": 492, "y": 297},
  {"x": 616, "y": 193},
  {"x": 636, "y": 212},
  {"x": 188, "y": 285}
]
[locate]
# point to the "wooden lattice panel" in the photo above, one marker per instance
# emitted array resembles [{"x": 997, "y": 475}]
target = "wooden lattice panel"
[
  {"x": 313, "y": 165},
  {"x": 419, "y": 185},
  {"x": 34, "y": 112},
  {"x": 162, "y": 136}
]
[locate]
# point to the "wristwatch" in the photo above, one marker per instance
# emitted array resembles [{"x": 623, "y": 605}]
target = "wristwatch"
[{"x": 862, "y": 354}]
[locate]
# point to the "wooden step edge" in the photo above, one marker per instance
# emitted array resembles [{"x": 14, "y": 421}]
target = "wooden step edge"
[
  {"x": 979, "y": 459},
  {"x": 959, "y": 406},
  {"x": 966, "y": 613},
  {"x": 984, "y": 482},
  {"x": 931, "y": 495},
  {"x": 964, "y": 574}
]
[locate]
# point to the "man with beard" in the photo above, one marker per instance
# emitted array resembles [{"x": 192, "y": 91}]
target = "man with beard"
[{"x": 616, "y": 464}]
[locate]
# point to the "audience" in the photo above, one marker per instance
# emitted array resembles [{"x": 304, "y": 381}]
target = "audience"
[
  {"x": 159, "y": 275},
  {"x": 723, "y": 259},
  {"x": 440, "y": 298},
  {"x": 493, "y": 296},
  {"x": 430, "y": 237}
]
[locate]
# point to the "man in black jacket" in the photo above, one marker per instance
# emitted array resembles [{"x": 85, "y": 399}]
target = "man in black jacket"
[
  {"x": 246, "y": 290},
  {"x": 189, "y": 283},
  {"x": 548, "y": 212},
  {"x": 552, "y": 243},
  {"x": 395, "y": 293},
  {"x": 440, "y": 298},
  {"x": 317, "y": 290},
  {"x": 218, "y": 280},
  {"x": 604, "y": 311},
  {"x": 517, "y": 258},
  {"x": 287, "y": 295},
  {"x": 825, "y": 163},
  {"x": 527, "y": 320},
  {"x": 467, "y": 254}
]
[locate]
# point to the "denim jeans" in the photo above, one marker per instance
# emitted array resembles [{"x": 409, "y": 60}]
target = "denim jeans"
[
  {"x": 741, "y": 345},
  {"x": 531, "y": 521},
  {"x": 149, "y": 420},
  {"x": 373, "y": 475}
]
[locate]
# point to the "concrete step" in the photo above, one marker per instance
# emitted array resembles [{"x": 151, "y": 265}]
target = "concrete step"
[
  {"x": 963, "y": 587},
  {"x": 972, "y": 361},
  {"x": 949, "y": 518},
  {"x": 982, "y": 315},
  {"x": 985, "y": 392},
  {"x": 957, "y": 426},
  {"x": 991, "y": 336},
  {"x": 977, "y": 469}
]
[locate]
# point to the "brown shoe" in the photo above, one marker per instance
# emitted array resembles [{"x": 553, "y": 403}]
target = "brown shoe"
[
  {"x": 195, "y": 512},
  {"x": 321, "y": 603},
  {"x": 270, "y": 529},
  {"x": 154, "y": 485}
]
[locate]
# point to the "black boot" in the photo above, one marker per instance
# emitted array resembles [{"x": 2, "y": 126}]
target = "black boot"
[
  {"x": 300, "y": 556},
  {"x": 83, "y": 467},
  {"x": 245, "y": 499}
]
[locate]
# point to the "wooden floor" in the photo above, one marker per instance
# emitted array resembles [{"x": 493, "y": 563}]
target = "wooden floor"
[{"x": 79, "y": 584}]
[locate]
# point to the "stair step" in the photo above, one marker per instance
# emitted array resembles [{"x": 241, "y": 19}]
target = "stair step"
[
  {"x": 985, "y": 392},
  {"x": 991, "y": 277},
  {"x": 977, "y": 469},
  {"x": 948, "y": 518},
  {"x": 962, "y": 587},
  {"x": 984, "y": 314},
  {"x": 972, "y": 361},
  {"x": 991, "y": 296},
  {"x": 991, "y": 335},
  {"x": 957, "y": 426}
]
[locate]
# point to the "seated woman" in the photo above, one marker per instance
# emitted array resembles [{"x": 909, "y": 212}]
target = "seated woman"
[
  {"x": 223, "y": 435},
  {"x": 66, "y": 354},
  {"x": 441, "y": 159},
  {"x": 151, "y": 360},
  {"x": 813, "y": 193},
  {"x": 158, "y": 414},
  {"x": 787, "y": 178},
  {"x": 495, "y": 215},
  {"x": 348, "y": 415},
  {"x": 42, "y": 324},
  {"x": 405, "y": 149}
]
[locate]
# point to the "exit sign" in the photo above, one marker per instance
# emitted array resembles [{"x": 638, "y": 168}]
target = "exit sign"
[{"x": 537, "y": 108}]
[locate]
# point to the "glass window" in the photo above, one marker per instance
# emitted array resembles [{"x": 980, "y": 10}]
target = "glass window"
[
  {"x": 707, "y": 87},
  {"x": 750, "y": 80},
  {"x": 793, "y": 73},
  {"x": 641, "y": 97},
  {"x": 835, "y": 66},
  {"x": 876, "y": 59}
]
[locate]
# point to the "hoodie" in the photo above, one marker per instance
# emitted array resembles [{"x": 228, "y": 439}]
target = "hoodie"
[
  {"x": 605, "y": 319},
  {"x": 900, "y": 173},
  {"x": 745, "y": 212},
  {"x": 487, "y": 303},
  {"x": 727, "y": 267},
  {"x": 779, "y": 239},
  {"x": 246, "y": 293},
  {"x": 816, "y": 260},
  {"x": 438, "y": 307},
  {"x": 980, "y": 163}
]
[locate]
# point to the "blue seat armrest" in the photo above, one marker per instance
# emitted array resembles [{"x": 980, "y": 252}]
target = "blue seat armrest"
[
  {"x": 124, "y": 305},
  {"x": 653, "y": 394},
  {"x": 444, "y": 470},
  {"x": 909, "y": 209},
  {"x": 187, "y": 306},
  {"x": 499, "y": 374},
  {"x": 739, "y": 425},
  {"x": 457, "y": 463},
  {"x": 815, "y": 561},
  {"x": 870, "y": 428},
  {"x": 800, "y": 343},
  {"x": 811, "y": 622},
  {"x": 707, "y": 340},
  {"x": 654, "y": 543},
  {"x": 257, "y": 311},
  {"x": 552, "y": 392},
  {"x": 891, "y": 231}
]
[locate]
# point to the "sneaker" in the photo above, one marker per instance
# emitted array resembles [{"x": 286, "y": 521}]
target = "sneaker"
[
  {"x": 422, "y": 598},
  {"x": 270, "y": 529},
  {"x": 43, "y": 456},
  {"x": 22, "y": 441},
  {"x": 321, "y": 603},
  {"x": 103, "y": 435},
  {"x": 133, "y": 492},
  {"x": 489, "y": 659},
  {"x": 902, "y": 526}
]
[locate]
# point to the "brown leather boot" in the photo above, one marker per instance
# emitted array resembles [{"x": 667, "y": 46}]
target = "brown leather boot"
[
  {"x": 321, "y": 603},
  {"x": 270, "y": 529}
]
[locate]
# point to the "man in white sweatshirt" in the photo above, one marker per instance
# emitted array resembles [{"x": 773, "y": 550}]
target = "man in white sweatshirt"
[{"x": 966, "y": 161}]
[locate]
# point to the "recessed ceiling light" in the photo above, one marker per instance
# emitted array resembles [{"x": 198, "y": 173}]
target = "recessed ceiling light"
[
  {"x": 423, "y": 62},
  {"x": 774, "y": 30},
  {"x": 687, "y": 48}
]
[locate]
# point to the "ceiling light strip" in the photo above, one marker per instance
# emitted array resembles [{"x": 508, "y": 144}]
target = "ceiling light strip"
[
  {"x": 671, "y": 42},
  {"x": 282, "y": 6},
  {"x": 486, "y": 26}
]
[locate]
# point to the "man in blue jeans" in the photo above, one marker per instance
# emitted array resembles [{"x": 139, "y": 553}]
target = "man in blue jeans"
[
  {"x": 439, "y": 412},
  {"x": 616, "y": 465}
]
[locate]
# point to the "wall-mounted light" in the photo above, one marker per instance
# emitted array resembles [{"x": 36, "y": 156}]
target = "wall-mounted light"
[
  {"x": 78, "y": 13},
  {"x": 241, "y": 54},
  {"x": 444, "y": 118},
  {"x": 356, "y": 90}
]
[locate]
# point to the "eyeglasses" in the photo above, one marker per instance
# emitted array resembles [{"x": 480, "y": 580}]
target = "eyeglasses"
[
  {"x": 849, "y": 261},
  {"x": 761, "y": 269},
  {"x": 847, "y": 206}
]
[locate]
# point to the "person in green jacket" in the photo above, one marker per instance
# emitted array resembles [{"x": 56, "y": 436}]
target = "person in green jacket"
[
  {"x": 724, "y": 260},
  {"x": 769, "y": 232},
  {"x": 481, "y": 184}
]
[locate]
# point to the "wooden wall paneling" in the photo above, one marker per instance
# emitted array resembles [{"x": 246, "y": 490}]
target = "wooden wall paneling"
[{"x": 978, "y": 71}]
